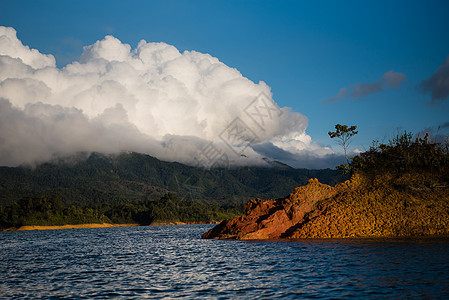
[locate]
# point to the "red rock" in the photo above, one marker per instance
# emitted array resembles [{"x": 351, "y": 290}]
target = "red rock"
[{"x": 275, "y": 218}]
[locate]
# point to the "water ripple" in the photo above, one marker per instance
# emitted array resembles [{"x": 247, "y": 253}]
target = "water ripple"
[{"x": 173, "y": 262}]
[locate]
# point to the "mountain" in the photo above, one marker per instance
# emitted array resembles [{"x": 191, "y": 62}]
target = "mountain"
[{"x": 98, "y": 178}]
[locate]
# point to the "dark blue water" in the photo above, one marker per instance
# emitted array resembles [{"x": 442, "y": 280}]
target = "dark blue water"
[{"x": 173, "y": 262}]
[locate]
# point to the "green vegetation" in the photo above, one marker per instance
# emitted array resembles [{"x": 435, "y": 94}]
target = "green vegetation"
[
  {"x": 137, "y": 188},
  {"x": 98, "y": 179},
  {"x": 402, "y": 155},
  {"x": 343, "y": 134},
  {"x": 49, "y": 210},
  {"x": 46, "y": 210}
]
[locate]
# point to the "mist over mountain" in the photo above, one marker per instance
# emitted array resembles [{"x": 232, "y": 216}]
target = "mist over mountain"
[{"x": 187, "y": 107}]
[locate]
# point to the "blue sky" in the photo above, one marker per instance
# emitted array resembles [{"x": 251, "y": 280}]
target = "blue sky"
[{"x": 306, "y": 51}]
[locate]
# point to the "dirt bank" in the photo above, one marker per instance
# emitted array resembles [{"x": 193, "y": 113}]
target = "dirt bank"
[{"x": 384, "y": 207}]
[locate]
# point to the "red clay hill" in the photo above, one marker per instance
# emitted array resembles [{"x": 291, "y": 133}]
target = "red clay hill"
[{"x": 380, "y": 207}]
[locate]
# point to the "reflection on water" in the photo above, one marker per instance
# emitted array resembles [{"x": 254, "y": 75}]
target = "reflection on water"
[{"x": 172, "y": 261}]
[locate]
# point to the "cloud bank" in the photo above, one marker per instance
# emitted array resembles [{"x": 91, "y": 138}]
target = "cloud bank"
[
  {"x": 151, "y": 99},
  {"x": 389, "y": 80},
  {"x": 438, "y": 83}
]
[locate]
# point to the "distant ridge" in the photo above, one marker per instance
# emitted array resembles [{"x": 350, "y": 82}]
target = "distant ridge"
[
  {"x": 98, "y": 178},
  {"x": 277, "y": 164}
]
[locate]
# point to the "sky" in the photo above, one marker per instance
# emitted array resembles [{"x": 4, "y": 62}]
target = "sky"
[{"x": 380, "y": 65}]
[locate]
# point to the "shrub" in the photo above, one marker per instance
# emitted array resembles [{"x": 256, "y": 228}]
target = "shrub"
[{"x": 403, "y": 155}]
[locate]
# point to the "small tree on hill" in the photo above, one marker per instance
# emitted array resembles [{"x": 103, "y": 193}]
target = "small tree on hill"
[{"x": 344, "y": 133}]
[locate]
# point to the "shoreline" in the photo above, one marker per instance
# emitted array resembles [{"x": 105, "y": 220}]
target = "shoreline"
[
  {"x": 68, "y": 226},
  {"x": 182, "y": 223},
  {"x": 95, "y": 225}
]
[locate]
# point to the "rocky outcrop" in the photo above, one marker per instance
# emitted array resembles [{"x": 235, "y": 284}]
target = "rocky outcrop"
[
  {"x": 350, "y": 209},
  {"x": 273, "y": 219}
]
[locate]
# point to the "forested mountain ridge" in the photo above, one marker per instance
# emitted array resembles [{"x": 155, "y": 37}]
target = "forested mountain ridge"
[{"x": 97, "y": 178}]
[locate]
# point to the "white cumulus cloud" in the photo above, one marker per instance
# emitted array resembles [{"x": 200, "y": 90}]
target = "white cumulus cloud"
[{"x": 151, "y": 99}]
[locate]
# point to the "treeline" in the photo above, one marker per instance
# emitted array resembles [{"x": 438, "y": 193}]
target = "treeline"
[{"x": 49, "y": 210}]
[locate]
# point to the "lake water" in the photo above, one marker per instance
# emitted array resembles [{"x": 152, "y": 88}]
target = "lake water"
[{"x": 173, "y": 262}]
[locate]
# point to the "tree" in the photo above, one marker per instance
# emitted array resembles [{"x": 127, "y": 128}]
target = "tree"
[{"x": 344, "y": 133}]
